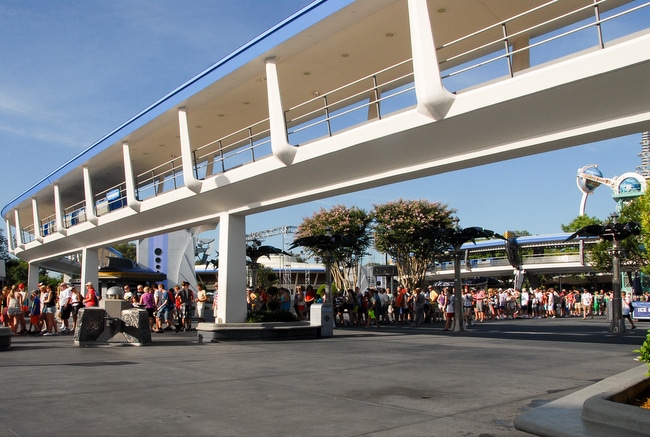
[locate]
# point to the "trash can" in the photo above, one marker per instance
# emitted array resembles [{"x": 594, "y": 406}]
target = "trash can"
[{"x": 322, "y": 315}]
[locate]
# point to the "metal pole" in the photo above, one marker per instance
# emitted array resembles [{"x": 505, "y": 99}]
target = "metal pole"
[
  {"x": 617, "y": 322},
  {"x": 458, "y": 297}
]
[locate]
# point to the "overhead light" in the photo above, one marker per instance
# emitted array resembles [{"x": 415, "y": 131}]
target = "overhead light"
[
  {"x": 442, "y": 9},
  {"x": 389, "y": 34}
]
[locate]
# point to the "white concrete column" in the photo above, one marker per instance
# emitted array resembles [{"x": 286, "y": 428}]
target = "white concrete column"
[
  {"x": 19, "y": 229},
  {"x": 38, "y": 234},
  {"x": 232, "y": 269},
  {"x": 189, "y": 175},
  {"x": 89, "y": 269},
  {"x": 280, "y": 146},
  {"x": 58, "y": 211},
  {"x": 129, "y": 179},
  {"x": 10, "y": 240},
  {"x": 91, "y": 211},
  {"x": 32, "y": 276},
  {"x": 433, "y": 99}
]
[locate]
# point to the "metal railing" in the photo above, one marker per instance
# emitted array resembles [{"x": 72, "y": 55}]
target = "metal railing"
[
  {"x": 502, "y": 48},
  {"x": 48, "y": 225},
  {"x": 243, "y": 146},
  {"x": 111, "y": 199},
  {"x": 165, "y": 177},
  {"x": 341, "y": 108},
  {"x": 502, "y": 261},
  {"x": 75, "y": 214}
]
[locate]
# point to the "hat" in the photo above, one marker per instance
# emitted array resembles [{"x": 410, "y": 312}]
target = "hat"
[
  {"x": 89, "y": 283},
  {"x": 21, "y": 286}
]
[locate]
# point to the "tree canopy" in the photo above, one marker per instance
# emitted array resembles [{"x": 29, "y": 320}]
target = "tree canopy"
[
  {"x": 409, "y": 232},
  {"x": 352, "y": 223}
]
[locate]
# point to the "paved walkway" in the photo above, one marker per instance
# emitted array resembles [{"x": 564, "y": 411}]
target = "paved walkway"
[{"x": 360, "y": 382}]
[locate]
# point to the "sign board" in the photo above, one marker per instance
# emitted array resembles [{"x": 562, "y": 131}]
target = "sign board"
[
  {"x": 641, "y": 310},
  {"x": 384, "y": 271}
]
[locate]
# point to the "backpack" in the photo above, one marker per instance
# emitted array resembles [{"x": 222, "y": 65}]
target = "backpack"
[{"x": 170, "y": 300}]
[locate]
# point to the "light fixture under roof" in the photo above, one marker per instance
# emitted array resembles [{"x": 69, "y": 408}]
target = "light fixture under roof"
[
  {"x": 389, "y": 34},
  {"x": 442, "y": 9}
]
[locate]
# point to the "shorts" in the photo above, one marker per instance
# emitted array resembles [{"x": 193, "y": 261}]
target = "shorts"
[
  {"x": 150, "y": 311},
  {"x": 479, "y": 306},
  {"x": 66, "y": 311},
  {"x": 13, "y": 311},
  {"x": 33, "y": 320},
  {"x": 163, "y": 313},
  {"x": 49, "y": 310},
  {"x": 449, "y": 316}
]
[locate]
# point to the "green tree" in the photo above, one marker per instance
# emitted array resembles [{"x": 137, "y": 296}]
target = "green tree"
[
  {"x": 409, "y": 232},
  {"x": 354, "y": 224},
  {"x": 634, "y": 256},
  {"x": 266, "y": 277},
  {"x": 580, "y": 222},
  {"x": 17, "y": 272},
  {"x": 4, "y": 247},
  {"x": 128, "y": 250}
]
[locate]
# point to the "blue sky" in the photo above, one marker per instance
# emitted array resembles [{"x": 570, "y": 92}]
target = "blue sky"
[{"x": 73, "y": 71}]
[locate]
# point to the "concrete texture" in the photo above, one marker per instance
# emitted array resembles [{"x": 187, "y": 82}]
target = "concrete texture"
[{"x": 397, "y": 381}]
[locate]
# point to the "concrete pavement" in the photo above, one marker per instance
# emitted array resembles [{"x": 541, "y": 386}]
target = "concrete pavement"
[{"x": 395, "y": 381}]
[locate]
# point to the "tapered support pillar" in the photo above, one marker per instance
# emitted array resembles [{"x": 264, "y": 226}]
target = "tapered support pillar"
[
  {"x": 189, "y": 174},
  {"x": 129, "y": 179},
  {"x": 89, "y": 269},
  {"x": 232, "y": 269},
  {"x": 282, "y": 150},
  {"x": 91, "y": 212},
  {"x": 432, "y": 97}
]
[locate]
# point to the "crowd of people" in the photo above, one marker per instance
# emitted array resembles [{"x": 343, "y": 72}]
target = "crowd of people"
[
  {"x": 48, "y": 308},
  {"x": 53, "y": 310},
  {"x": 172, "y": 309},
  {"x": 378, "y": 307}
]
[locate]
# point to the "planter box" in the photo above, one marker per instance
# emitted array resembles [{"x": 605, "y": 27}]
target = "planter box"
[{"x": 615, "y": 409}]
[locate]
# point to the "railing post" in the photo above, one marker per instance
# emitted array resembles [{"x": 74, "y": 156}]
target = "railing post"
[
  {"x": 327, "y": 116},
  {"x": 599, "y": 29},
  {"x": 20, "y": 241},
  {"x": 432, "y": 97},
  {"x": 506, "y": 43}
]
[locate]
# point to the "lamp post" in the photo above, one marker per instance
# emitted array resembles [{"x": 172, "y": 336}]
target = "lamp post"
[
  {"x": 327, "y": 255},
  {"x": 458, "y": 325},
  {"x": 617, "y": 323}
]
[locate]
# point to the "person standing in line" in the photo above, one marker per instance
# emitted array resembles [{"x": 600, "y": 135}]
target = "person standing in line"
[
  {"x": 49, "y": 307},
  {"x": 147, "y": 301},
  {"x": 35, "y": 313},
  {"x": 201, "y": 299},
  {"x": 449, "y": 310},
  {"x": 628, "y": 309},
  {"x": 15, "y": 311},
  {"x": 299, "y": 302},
  {"x": 418, "y": 303},
  {"x": 215, "y": 301},
  {"x": 587, "y": 303},
  {"x": 65, "y": 306},
  {"x": 77, "y": 303},
  {"x": 90, "y": 299}
]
